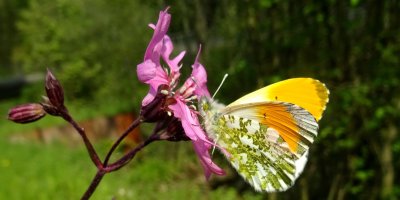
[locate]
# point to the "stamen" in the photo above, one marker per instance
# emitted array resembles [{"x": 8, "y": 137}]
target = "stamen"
[
  {"x": 191, "y": 98},
  {"x": 166, "y": 70},
  {"x": 169, "y": 113},
  {"x": 193, "y": 107},
  {"x": 172, "y": 83},
  {"x": 164, "y": 92},
  {"x": 182, "y": 90},
  {"x": 188, "y": 92}
]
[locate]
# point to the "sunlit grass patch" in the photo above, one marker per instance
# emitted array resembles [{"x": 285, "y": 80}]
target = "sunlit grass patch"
[{"x": 56, "y": 171}]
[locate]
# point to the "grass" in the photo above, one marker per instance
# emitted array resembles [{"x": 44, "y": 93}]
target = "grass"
[{"x": 163, "y": 170}]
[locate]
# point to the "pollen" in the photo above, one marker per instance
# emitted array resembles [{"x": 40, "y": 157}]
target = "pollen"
[{"x": 164, "y": 92}]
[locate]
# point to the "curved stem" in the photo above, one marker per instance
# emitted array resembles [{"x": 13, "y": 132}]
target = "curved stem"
[
  {"x": 92, "y": 152},
  {"x": 115, "y": 166},
  {"x": 126, "y": 133},
  {"x": 93, "y": 185},
  {"x": 129, "y": 156}
]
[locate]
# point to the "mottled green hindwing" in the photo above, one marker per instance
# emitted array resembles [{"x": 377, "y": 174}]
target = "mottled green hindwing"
[{"x": 256, "y": 152}]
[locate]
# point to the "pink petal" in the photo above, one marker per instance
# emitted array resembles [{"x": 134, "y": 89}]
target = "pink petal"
[
  {"x": 202, "y": 151},
  {"x": 149, "y": 97},
  {"x": 158, "y": 80},
  {"x": 199, "y": 139},
  {"x": 168, "y": 47},
  {"x": 146, "y": 71},
  {"x": 190, "y": 123},
  {"x": 166, "y": 54},
  {"x": 160, "y": 31},
  {"x": 199, "y": 75}
]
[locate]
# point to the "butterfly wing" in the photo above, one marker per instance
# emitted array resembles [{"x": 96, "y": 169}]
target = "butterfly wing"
[
  {"x": 307, "y": 93},
  {"x": 294, "y": 124},
  {"x": 268, "y": 132},
  {"x": 267, "y": 142}
]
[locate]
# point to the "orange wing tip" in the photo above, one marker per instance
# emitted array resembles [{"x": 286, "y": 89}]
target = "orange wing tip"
[{"x": 323, "y": 93}]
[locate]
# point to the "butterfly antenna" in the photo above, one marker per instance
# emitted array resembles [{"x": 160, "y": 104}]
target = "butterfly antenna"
[{"x": 219, "y": 87}]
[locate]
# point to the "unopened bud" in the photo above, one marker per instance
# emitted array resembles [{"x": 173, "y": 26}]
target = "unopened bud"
[
  {"x": 26, "y": 113},
  {"x": 54, "y": 91}
]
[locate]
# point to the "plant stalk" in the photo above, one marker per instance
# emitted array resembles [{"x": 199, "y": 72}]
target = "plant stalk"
[
  {"x": 93, "y": 185},
  {"x": 126, "y": 133}
]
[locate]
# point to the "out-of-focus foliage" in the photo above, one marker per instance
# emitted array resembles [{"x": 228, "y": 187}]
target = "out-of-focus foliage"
[
  {"x": 8, "y": 17},
  {"x": 353, "y": 46},
  {"x": 93, "y": 46}
]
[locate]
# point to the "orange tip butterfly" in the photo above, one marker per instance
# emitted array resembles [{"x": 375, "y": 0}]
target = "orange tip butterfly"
[{"x": 269, "y": 131}]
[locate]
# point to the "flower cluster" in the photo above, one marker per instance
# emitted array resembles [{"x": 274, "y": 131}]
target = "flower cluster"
[{"x": 161, "y": 73}]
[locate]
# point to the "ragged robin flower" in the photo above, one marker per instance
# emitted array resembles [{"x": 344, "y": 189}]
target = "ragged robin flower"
[{"x": 178, "y": 102}]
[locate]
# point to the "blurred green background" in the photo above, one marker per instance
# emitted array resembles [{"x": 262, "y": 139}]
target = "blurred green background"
[{"x": 93, "y": 47}]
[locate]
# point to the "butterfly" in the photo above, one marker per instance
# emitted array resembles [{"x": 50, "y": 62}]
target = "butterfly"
[{"x": 267, "y": 133}]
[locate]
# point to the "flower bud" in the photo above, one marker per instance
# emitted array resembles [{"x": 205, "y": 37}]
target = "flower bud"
[
  {"x": 54, "y": 91},
  {"x": 26, "y": 113}
]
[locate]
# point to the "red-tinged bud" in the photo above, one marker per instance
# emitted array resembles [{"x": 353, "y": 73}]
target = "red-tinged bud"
[
  {"x": 156, "y": 110},
  {"x": 54, "y": 91},
  {"x": 26, "y": 113},
  {"x": 170, "y": 128},
  {"x": 49, "y": 108},
  {"x": 175, "y": 132}
]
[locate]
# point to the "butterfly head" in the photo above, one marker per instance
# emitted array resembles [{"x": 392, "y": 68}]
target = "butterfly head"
[{"x": 209, "y": 107}]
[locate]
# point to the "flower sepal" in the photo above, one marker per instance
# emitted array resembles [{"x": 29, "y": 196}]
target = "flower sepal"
[
  {"x": 156, "y": 109},
  {"x": 173, "y": 130},
  {"x": 54, "y": 101}
]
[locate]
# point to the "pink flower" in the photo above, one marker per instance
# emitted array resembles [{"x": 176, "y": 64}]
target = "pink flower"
[{"x": 151, "y": 72}]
